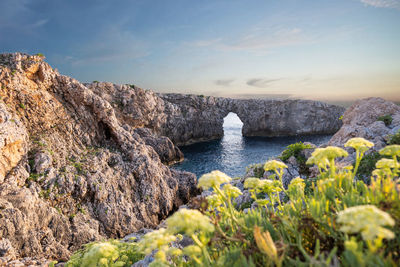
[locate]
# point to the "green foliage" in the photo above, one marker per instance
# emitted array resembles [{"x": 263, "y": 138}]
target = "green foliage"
[
  {"x": 395, "y": 139},
  {"x": 21, "y": 105},
  {"x": 295, "y": 151},
  {"x": 112, "y": 253},
  {"x": 132, "y": 86},
  {"x": 332, "y": 220},
  {"x": 387, "y": 119},
  {"x": 258, "y": 170},
  {"x": 39, "y": 55},
  {"x": 367, "y": 164},
  {"x": 95, "y": 82}
]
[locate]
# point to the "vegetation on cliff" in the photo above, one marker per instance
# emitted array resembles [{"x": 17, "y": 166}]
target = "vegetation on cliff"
[{"x": 340, "y": 221}]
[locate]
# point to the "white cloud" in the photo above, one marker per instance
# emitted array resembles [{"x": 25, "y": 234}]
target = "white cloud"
[
  {"x": 226, "y": 82},
  {"x": 261, "y": 83},
  {"x": 259, "y": 39},
  {"x": 383, "y": 3}
]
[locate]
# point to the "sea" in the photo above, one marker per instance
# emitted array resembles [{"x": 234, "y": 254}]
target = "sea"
[{"x": 234, "y": 152}]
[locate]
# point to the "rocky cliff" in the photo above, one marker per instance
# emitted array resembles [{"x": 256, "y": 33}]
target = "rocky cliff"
[
  {"x": 82, "y": 162},
  {"x": 72, "y": 170},
  {"x": 188, "y": 119}
]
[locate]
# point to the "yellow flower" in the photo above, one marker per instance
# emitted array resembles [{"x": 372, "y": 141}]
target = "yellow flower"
[
  {"x": 392, "y": 150},
  {"x": 367, "y": 220},
  {"x": 318, "y": 158},
  {"x": 265, "y": 243},
  {"x": 155, "y": 240},
  {"x": 251, "y": 183},
  {"x": 213, "y": 179},
  {"x": 231, "y": 191},
  {"x": 100, "y": 252},
  {"x": 386, "y": 164},
  {"x": 331, "y": 152},
  {"x": 214, "y": 201},
  {"x": 188, "y": 222},
  {"x": 359, "y": 144},
  {"x": 273, "y": 165},
  {"x": 296, "y": 187},
  {"x": 192, "y": 250}
]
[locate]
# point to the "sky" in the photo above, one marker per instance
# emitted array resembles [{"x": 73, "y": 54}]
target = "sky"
[{"x": 313, "y": 49}]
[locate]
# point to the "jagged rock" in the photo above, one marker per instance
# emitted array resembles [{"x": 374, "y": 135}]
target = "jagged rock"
[
  {"x": 42, "y": 162},
  {"x": 360, "y": 120},
  {"x": 187, "y": 119},
  {"x": 7, "y": 251},
  {"x": 13, "y": 141},
  {"x": 91, "y": 179},
  {"x": 166, "y": 150}
]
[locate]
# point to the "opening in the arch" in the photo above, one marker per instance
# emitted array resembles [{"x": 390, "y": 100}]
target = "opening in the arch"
[{"x": 232, "y": 125}]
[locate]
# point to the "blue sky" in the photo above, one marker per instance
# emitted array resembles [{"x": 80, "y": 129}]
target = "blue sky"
[{"x": 317, "y": 49}]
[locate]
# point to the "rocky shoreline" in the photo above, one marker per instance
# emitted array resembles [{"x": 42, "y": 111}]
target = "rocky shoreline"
[{"x": 85, "y": 162}]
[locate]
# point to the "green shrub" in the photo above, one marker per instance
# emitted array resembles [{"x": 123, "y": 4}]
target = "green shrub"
[
  {"x": 95, "y": 82},
  {"x": 39, "y": 55},
  {"x": 387, "y": 119},
  {"x": 295, "y": 151},
  {"x": 367, "y": 165},
  {"x": 258, "y": 170},
  {"x": 395, "y": 139}
]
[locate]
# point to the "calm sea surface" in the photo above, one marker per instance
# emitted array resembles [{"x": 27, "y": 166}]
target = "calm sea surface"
[{"x": 233, "y": 153}]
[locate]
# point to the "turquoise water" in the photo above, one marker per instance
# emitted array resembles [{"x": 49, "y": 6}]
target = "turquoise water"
[{"x": 233, "y": 153}]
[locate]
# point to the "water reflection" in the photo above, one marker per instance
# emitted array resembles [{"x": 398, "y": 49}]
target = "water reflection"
[
  {"x": 234, "y": 152},
  {"x": 232, "y": 142}
]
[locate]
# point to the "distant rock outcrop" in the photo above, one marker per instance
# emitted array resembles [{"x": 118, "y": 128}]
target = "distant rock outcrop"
[
  {"x": 361, "y": 120},
  {"x": 187, "y": 119}
]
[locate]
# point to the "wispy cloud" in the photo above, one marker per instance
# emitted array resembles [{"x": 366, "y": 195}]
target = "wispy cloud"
[
  {"x": 258, "y": 39},
  {"x": 39, "y": 23},
  {"x": 226, "y": 82},
  {"x": 261, "y": 83},
  {"x": 383, "y": 3}
]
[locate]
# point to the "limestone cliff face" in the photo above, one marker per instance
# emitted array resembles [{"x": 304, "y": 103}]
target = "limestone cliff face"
[
  {"x": 72, "y": 169},
  {"x": 202, "y": 117},
  {"x": 188, "y": 119}
]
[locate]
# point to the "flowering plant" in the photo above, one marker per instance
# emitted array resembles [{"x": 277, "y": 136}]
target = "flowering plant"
[{"x": 338, "y": 221}]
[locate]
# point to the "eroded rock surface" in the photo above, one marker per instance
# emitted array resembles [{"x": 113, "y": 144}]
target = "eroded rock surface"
[
  {"x": 188, "y": 119},
  {"x": 361, "y": 120},
  {"x": 72, "y": 169}
]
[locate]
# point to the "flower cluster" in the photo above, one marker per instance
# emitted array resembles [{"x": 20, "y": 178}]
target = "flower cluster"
[
  {"x": 392, "y": 150},
  {"x": 274, "y": 165},
  {"x": 359, "y": 144},
  {"x": 189, "y": 222},
  {"x": 296, "y": 188},
  {"x": 213, "y": 179},
  {"x": 367, "y": 220}
]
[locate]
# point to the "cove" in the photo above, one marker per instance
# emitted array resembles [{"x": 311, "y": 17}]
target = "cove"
[{"x": 234, "y": 152}]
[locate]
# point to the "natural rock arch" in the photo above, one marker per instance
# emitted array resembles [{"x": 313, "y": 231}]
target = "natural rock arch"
[{"x": 198, "y": 118}]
